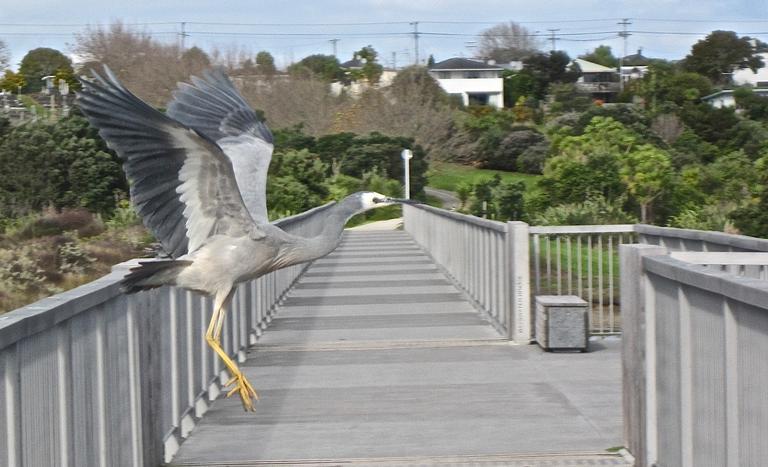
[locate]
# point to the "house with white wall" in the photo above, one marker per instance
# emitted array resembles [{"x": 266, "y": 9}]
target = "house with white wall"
[
  {"x": 476, "y": 82},
  {"x": 756, "y": 79}
]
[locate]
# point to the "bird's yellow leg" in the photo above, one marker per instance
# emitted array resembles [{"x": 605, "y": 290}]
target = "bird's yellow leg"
[{"x": 213, "y": 338}]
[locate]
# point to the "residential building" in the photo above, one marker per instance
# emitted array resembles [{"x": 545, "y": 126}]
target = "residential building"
[
  {"x": 725, "y": 97},
  {"x": 600, "y": 82},
  {"x": 634, "y": 66},
  {"x": 756, "y": 79},
  {"x": 475, "y": 82}
]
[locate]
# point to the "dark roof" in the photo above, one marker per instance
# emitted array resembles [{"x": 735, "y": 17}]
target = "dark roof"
[
  {"x": 637, "y": 59},
  {"x": 459, "y": 63},
  {"x": 354, "y": 63}
]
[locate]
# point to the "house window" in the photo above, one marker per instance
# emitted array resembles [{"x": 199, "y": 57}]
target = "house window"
[
  {"x": 473, "y": 74},
  {"x": 478, "y": 98}
]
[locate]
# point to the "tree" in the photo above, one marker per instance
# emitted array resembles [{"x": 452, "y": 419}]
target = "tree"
[
  {"x": 265, "y": 63},
  {"x": 545, "y": 69},
  {"x": 61, "y": 165},
  {"x": 509, "y": 201},
  {"x": 647, "y": 172},
  {"x": 414, "y": 82},
  {"x": 371, "y": 70},
  {"x": 721, "y": 52},
  {"x": 5, "y": 55},
  {"x": 195, "y": 60},
  {"x": 506, "y": 42},
  {"x": 324, "y": 67},
  {"x": 41, "y": 62},
  {"x": 521, "y": 141},
  {"x": 430, "y": 61},
  {"x": 12, "y": 81},
  {"x": 588, "y": 164},
  {"x": 602, "y": 55},
  {"x": 149, "y": 68},
  {"x": 753, "y": 105}
]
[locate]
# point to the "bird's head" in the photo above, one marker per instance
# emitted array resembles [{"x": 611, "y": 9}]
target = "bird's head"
[{"x": 366, "y": 200}]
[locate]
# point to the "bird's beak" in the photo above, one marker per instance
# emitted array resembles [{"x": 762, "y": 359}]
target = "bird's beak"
[{"x": 402, "y": 201}]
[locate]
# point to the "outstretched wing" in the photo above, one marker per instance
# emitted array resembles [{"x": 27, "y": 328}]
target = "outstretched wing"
[
  {"x": 183, "y": 186},
  {"x": 212, "y": 106}
]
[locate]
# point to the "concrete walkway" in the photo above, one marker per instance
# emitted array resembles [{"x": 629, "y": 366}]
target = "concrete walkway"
[{"x": 376, "y": 358}]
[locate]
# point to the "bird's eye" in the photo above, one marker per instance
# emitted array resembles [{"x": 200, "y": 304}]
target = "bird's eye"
[{"x": 378, "y": 200}]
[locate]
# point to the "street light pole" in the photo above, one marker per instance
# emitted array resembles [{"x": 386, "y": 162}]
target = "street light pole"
[{"x": 407, "y": 155}]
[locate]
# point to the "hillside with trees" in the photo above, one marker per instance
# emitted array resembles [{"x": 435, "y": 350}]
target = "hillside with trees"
[{"x": 658, "y": 154}]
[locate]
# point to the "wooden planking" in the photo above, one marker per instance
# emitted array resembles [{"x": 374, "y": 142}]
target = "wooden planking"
[{"x": 380, "y": 374}]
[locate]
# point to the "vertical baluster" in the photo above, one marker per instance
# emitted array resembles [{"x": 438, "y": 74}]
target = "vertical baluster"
[
  {"x": 579, "y": 265},
  {"x": 569, "y": 263},
  {"x": 589, "y": 279},
  {"x": 548, "y": 283},
  {"x": 600, "y": 280},
  {"x": 134, "y": 382},
  {"x": 536, "y": 262},
  {"x": 611, "y": 317},
  {"x": 559, "y": 266}
]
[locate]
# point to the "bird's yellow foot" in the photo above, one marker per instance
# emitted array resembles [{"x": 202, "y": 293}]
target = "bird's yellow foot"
[{"x": 244, "y": 389}]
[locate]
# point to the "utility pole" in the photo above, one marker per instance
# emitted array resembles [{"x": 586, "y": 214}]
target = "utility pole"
[
  {"x": 334, "y": 42},
  {"x": 182, "y": 35},
  {"x": 415, "y": 25},
  {"x": 553, "y": 38},
  {"x": 623, "y": 34},
  {"x": 394, "y": 60}
]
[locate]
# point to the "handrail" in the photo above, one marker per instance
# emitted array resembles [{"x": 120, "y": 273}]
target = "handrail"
[
  {"x": 693, "y": 353},
  {"x": 94, "y": 377},
  {"x": 482, "y": 257},
  {"x": 714, "y": 239},
  {"x": 469, "y": 219},
  {"x": 579, "y": 229}
]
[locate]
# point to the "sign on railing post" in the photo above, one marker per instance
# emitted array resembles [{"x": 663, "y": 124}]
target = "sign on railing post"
[{"x": 519, "y": 282}]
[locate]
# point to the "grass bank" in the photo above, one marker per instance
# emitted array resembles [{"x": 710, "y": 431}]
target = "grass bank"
[{"x": 447, "y": 176}]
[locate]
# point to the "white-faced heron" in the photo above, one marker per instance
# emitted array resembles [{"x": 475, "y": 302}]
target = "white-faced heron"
[{"x": 198, "y": 180}]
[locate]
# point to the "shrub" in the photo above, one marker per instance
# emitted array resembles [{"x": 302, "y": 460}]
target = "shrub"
[
  {"x": 56, "y": 223},
  {"x": 707, "y": 217},
  {"x": 595, "y": 210}
]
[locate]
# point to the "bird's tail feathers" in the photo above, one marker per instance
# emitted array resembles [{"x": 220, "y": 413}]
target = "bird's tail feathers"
[{"x": 152, "y": 274}]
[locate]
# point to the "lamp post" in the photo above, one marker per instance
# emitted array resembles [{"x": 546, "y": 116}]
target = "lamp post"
[{"x": 407, "y": 154}]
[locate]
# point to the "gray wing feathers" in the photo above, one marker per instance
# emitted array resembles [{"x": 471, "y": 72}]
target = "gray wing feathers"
[
  {"x": 182, "y": 185},
  {"x": 250, "y": 158},
  {"x": 212, "y": 106}
]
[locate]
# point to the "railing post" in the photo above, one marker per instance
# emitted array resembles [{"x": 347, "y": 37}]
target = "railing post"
[
  {"x": 638, "y": 353},
  {"x": 519, "y": 279}
]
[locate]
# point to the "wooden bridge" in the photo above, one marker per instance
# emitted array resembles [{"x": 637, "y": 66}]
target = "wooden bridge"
[
  {"x": 410, "y": 348},
  {"x": 375, "y": 357}
]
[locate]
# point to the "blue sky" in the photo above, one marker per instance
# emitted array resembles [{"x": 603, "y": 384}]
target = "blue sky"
[{"x": 663, "y": 28}]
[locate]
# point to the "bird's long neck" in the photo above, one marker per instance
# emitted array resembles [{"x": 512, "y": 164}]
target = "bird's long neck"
[{"x": 333, "y": 227}]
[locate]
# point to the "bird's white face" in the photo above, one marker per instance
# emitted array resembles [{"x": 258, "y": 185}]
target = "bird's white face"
[{"x": 371, "y": 199}]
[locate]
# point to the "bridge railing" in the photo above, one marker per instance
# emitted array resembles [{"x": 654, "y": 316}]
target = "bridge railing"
[
  {"x": 694, "y": 366},
  {"x": 95, "y": 377},
  {"x": 484, "y": 258},
  {"x": 578, "y": 260},
  {"x": 581, "y": 260}
]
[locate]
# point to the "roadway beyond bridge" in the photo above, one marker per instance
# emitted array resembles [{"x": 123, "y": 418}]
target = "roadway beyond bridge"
[{"x": 376, "y": 358}]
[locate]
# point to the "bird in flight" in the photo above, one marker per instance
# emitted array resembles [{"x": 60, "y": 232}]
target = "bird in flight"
[{"x": 198, "y": 180}]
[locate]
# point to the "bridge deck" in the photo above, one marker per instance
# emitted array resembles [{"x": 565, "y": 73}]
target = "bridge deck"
[{"x": 376, "y": 358}]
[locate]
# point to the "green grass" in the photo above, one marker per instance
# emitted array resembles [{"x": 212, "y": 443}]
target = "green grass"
[{"x": 447, "y": 176}]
